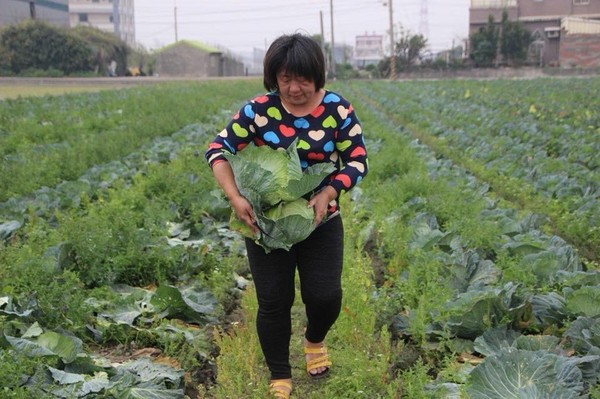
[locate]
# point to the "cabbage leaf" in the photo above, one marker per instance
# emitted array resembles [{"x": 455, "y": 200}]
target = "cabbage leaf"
[
  {"x": 513, "y": 373},
  {"x": 274, "y": 183}
]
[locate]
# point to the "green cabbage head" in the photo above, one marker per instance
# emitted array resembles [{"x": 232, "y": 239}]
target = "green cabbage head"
[{"x": 274, "y": 183}]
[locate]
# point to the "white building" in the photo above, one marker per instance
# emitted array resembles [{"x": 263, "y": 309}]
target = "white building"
[
  {"x": 368, "y": 50},
  {"x": 115, "y": 16}
]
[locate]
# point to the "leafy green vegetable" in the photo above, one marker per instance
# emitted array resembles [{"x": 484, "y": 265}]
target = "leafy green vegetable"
[
  {"x": 585, "y": 301},
  {"x": 288, "y": 222},
  {"x": 274, "y": 183},
  {"x": 474, "y": 312},
  {"x": 513, "y": 373}
]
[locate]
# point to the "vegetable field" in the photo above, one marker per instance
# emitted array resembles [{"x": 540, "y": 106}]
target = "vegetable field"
[{"x": 471, "y": 264}]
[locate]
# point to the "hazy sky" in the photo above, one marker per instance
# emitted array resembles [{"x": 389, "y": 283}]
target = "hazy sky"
[{"x": 243, "y": 25}]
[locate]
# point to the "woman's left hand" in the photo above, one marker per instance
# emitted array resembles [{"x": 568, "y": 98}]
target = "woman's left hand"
[{"x": 320, "y": 201}]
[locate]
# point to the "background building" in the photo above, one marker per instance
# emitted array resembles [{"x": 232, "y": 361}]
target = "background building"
[
  {"x": 55, "y": 12},
  {"x": 548, "y": 21},
  {"x": 115, "y": 16},
  {"x": 368, "y": 50},
  {"x": 194, "y": 59}
]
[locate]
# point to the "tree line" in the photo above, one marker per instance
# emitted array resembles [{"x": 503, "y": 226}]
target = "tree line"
[
  {"x": 498, "y": 43},
  {"x": 35, "y": 47}
]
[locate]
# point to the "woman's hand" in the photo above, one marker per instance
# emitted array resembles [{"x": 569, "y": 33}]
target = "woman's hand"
[
  {"x": 320, "y": 201},
  {"x": 243, "y": 210}
]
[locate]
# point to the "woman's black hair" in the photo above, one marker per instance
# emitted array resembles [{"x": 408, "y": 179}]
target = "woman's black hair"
[{"x": 296, "y": 54}]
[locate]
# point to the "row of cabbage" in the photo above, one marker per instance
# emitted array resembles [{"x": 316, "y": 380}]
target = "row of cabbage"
[
  {"x": 514, "y": 308},
  {"x": 483, "y": 285},
  {"x": 132, "y": 256},
  {"x": 47, "y": 140},
  {"x": 543, "y": 132}
]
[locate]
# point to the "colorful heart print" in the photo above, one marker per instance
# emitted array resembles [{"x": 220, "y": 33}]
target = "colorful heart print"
[
  {"x": 248, "y": 111},
  {"x": 274, "y": 113},
  {"x": 272, "y": 137},
  {"x": 318, "y": 111},
  {"x": 315, "y": 156},
  {"x": 316, "y": 135},
  {"x": 357, "y": 165},
  {"x": 329, "y": 122},
  {"x": 356, "y": 130},
  {"x": 358, "y": 152},
  {"x": 331, "y": 98},
  {"x": 343, "y": 145},
  {"x": 303, "y": 145},
  {"x": 301, "y": 123},
  {"x": 239, "y": 131},
  {"x": 261, "y": 120},
  {"x": 345, "y": 180},
  {"x": 287, "y": 131}
]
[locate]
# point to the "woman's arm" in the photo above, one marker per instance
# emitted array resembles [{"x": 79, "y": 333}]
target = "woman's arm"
[{"x": 242, "y": 208}]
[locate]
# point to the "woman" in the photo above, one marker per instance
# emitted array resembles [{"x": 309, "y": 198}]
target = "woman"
[{"x": 297, "y": 107}]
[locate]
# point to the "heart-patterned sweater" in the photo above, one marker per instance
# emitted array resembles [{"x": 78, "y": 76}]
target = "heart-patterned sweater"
[{"x": 330, "y": 133}]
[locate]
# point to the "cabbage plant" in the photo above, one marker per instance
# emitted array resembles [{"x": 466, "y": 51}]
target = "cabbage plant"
[{"x": 274, "y": 183}]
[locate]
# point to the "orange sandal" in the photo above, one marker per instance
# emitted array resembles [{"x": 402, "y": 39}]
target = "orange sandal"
[
  {"x": 317, "y": 362},
  {"x": 280, "y": 389}
]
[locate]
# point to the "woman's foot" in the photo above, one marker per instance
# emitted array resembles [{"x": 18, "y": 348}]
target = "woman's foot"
[
  {"x": 280, "y": 389},
  {"x": 317, "y": 359}
]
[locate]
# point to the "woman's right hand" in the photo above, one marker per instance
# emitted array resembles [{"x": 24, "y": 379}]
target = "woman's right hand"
[
  {"x": 243, "y": 210},
  {"x": 241, "y": 206}
]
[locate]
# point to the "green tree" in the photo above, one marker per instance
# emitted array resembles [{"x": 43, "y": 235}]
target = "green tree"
[
  {"x": 409, "y": 48},
  {"x": 38, "y": 45},
  {"x": 514, "y": 42},
  {"x": 105, "y": 47},
  {"x": 509, "y": 39},
  {"x": 484, "y": 44}
]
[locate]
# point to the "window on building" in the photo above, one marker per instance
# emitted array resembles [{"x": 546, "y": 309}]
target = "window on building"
[
  {"x": 581, "y": 2},
  {"x": 111, "y": 19},
  {"x": 83, "y": 17}
]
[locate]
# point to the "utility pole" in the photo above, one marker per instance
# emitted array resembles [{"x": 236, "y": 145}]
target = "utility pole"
[
  {"x": 175, "y": 14},
  {"x": 322, "y": 33},
  {"x": 332, "y": 42},
  {"x": 392, "y": 44}
]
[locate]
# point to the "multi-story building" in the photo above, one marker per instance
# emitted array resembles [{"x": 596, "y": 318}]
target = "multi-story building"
[
  {"x": 14, "y": 11},
  {"x": 368, "y": 50},
  {"x": 108, "y": 15},
  {"x": 116, "y": 16},
  {"x": 548, "y": 20}
]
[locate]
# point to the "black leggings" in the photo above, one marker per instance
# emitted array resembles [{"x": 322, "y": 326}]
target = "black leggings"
[{"x": 319, "y": 260}]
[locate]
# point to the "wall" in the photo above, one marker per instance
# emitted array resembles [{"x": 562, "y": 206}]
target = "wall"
[
  {"x": 186, "y": 60},
  {"x": 182, "y": 61},
  {"x": 550, "y": 8},
  {"x": 580, "y": 51},
  {"x": 496, "y": 73}
]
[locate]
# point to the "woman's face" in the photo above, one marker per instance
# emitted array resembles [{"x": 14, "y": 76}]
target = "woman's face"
[{"x": 295, "y": 90}]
